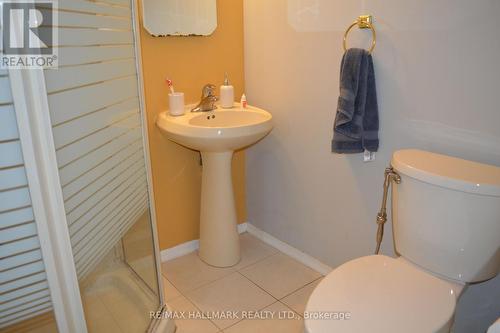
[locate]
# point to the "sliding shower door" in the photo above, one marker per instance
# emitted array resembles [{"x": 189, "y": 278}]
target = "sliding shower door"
[
  {"x": 24, "y": 289},
  {"x": 95, "y": 111}
]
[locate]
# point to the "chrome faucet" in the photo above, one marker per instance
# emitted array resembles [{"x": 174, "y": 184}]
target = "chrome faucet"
[{"x": 208, "y": 99}]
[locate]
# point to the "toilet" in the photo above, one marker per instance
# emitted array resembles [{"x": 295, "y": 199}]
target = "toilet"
[{"x": 446, "y": 227}]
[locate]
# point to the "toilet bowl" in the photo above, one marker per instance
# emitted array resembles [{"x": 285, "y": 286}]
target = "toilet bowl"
[
  {"x": 385, "y": 295},
  {"x": 446, "y": 225},
  {"x": 495, "y": 328}
]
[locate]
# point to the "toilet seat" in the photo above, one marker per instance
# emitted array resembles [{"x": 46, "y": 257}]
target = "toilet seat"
[{"x": 381, "y": 294}]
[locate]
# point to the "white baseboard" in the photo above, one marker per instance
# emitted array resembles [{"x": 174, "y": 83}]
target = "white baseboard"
[
  {"x": 191, "y": 246},
  {"x": 242, "y": 227},
  {"x": 179, "y": 250},
  {"x": 289, "y": 250},
  {"x": 188, "y": 247}
]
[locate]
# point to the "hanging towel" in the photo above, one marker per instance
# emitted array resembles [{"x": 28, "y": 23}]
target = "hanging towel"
[{"x": 356, "y": 122}]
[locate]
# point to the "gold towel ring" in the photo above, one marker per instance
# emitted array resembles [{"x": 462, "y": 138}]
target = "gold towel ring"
[{"x": 363, "y": 22}]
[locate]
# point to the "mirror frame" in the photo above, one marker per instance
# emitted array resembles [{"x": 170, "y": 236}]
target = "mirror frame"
[{"x": 188, "y": 17}]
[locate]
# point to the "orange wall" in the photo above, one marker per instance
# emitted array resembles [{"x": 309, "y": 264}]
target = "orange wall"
[{"x": 190, "y": 62}]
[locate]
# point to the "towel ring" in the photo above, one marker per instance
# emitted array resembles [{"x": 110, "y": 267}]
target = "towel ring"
[{"x": 363, "y": 22}]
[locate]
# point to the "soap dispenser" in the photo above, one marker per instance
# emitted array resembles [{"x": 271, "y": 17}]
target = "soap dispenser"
[{"x": 226, "y": 94}]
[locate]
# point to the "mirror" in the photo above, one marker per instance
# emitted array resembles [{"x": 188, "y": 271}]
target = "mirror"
[{"x": 179, "y": 17}]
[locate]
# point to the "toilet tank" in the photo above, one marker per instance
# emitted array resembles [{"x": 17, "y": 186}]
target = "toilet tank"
[{"x": 446, "y": 215}]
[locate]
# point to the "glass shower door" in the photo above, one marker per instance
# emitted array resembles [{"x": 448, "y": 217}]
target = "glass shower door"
[
  {"x": 138, "y": 251},
  {"x": 96, "y": 121}
]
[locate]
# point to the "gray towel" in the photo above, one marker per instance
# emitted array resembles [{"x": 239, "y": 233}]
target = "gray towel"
[{"x": 356, "y": 122}]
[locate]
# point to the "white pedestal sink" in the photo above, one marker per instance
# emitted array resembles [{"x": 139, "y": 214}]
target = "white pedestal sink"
[{"x": 217, "y": 134}]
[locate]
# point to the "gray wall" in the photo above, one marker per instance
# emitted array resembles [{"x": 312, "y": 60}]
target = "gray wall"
[{"x": 437, "y": 72}]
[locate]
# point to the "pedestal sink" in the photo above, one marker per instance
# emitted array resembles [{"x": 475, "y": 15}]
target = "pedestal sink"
[{"x": 217, "y": 134}]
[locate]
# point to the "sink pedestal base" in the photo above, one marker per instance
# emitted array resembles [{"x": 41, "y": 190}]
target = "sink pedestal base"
[{"x": 219, "y": 240}]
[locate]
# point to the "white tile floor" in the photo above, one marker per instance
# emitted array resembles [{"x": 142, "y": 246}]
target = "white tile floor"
[{"x": 265, "y": 280}]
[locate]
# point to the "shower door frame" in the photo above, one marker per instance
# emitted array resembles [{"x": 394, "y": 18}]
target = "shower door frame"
[{"x": 35, "y": 131}]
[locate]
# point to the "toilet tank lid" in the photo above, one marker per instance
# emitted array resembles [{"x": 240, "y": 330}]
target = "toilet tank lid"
[{"x": 449, "y": 172}]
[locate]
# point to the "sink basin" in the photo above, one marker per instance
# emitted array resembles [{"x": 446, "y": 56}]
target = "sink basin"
[
  {"x": 217, "y": 131},
  {"x": 217, "y": 134}
]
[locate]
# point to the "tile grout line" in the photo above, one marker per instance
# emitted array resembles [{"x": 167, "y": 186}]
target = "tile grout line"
[
  {"x": 203, "y": 285},
  {"x": 200, "y": 286},
  {"x": 289, "y": 308},
  {"x": 281, "y": 299},
  {"x": 260, "y": 309},
  {"x": 234, "y": 270},
  {"x": 239, "y": 271},
  {"x": 197, "y": 308},
  {"x": 276, "y": 301},
  {"x": 295, "y": 290},
  {"x": 184, "y": 293},
  {"x": 307, "y": 284},
  {"x": 240, "y": 320},
  {"x": 248, "y": 279},
  {"x": 260, "y": 260}
]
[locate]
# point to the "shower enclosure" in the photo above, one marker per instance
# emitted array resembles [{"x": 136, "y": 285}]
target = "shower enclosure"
[{"x": 80, "y": 251}]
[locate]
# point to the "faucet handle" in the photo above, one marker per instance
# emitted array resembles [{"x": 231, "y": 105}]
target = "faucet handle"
[{"x": 208, "y": 90}]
